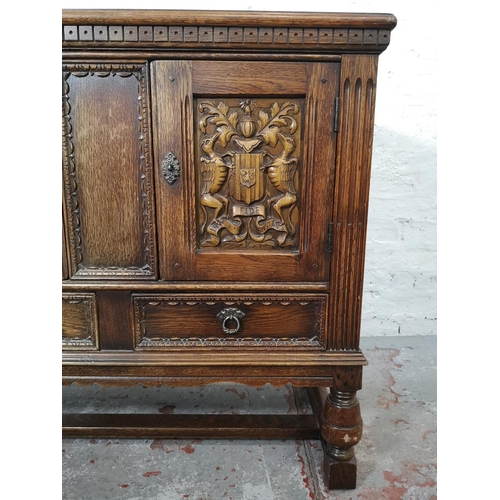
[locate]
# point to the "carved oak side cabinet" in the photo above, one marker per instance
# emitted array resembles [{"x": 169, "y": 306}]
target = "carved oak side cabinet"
[{"x": 216, "y": 174}]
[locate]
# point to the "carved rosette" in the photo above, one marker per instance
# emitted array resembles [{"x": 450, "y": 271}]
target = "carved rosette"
[{"x": 248, "y": 173}]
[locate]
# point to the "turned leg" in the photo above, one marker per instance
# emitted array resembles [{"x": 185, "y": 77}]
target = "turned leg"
[{"x": 341, "y": 428}]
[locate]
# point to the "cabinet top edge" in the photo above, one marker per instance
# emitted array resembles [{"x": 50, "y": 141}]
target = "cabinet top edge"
[{"x": 229, "y": 18}]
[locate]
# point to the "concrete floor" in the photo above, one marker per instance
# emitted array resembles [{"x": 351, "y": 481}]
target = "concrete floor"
[{"x": 396, "y": 455}]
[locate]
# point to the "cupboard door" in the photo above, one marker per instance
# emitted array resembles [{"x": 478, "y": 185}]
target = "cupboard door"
[
  {"x": 108, "y": 185},
  {"x": 244, "y": 157}
]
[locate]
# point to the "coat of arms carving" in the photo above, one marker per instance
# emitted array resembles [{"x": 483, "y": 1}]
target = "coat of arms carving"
[{"x": 248, "y": 173}]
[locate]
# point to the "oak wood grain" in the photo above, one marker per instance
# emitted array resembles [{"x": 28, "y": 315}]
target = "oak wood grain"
[
  {"x": 225, "y": 18},
  {"x": 196, "y": 286},
  {"x": 218, "y": 358},
  {"x": 172, "y": 98},
  {"x": 350, "y": 198},
  {"x": 266, "y": 77},
  {"x": 192, "y": 426},
  {"x": 115, "y": 320},
  {"x": 180, "y": 380}
]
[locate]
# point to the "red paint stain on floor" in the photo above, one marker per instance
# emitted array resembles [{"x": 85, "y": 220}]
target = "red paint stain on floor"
[
  {"x": 394, "y": 492},
  {"x": 152, "y": 473},
  {"x": 401, "y": 421},
  {"x": 412, "y": 475},
  {"x": 426, "y": 433},
  {"x": 125, "y": 485},
  {"x": 187, "y": 449},
  {"x": 303, "y": 473},
  {"x": 389, "y": 396},
  {"x": 241, "y": 395},
  {"x": 290, "y": 400}
]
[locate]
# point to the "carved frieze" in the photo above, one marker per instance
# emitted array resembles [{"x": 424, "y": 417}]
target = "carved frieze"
[
  {"x": 249, "y": 160},
  {"x": 375, "y": 40}
]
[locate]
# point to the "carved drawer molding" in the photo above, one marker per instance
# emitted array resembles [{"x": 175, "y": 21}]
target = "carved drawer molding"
[{"x": 195, "y": 321}]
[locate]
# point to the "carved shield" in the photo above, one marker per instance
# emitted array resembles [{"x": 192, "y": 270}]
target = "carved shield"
[{"x": 249, "y": 178}]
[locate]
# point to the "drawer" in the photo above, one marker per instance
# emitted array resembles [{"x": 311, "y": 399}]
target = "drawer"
[
  {"x": 79, "y": 322},
  {"x": 229, "y": 321}
]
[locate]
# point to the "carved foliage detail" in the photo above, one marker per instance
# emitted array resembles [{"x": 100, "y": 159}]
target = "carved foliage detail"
[{"x": 248, "y": 176}]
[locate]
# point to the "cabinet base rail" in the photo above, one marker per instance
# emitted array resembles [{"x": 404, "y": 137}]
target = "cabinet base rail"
[{"x": 339, "y": 474}]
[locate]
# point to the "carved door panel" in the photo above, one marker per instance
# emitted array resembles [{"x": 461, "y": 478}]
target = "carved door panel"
[
  {"x": 108, "y": 183},
  {"x": 244, "y": 169}
]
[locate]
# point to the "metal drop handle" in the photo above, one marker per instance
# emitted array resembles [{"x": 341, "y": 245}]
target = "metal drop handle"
[{"x": 230, "y": 314}]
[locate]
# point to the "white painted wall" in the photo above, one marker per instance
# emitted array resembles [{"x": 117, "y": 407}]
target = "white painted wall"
[{"x": 400, "y": 271}]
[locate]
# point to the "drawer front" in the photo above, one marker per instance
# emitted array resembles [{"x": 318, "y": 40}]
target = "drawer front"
[
  {"x": 79, "y": 322},
  {"x": 228, "y": 321}
]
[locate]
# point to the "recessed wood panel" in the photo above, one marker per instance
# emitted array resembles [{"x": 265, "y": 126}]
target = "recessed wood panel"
[
  {"x": 107, "y": 171},
  {"x": 79, "y": 321},
  {"x": 266, "y": 76}
]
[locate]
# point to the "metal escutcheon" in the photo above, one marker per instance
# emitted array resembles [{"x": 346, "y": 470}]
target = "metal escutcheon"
[
  {"x": 230, "y": 314},
  {"x": 171, "y": 168}
]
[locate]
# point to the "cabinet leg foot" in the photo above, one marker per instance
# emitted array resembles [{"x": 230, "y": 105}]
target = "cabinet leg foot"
[
  {"x": 339, "y": 475},
  {"x": 341, "y": 429}
]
